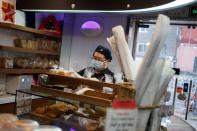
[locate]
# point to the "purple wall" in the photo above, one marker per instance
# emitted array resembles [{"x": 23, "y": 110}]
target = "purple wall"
[{"x": 83, "y": 46}]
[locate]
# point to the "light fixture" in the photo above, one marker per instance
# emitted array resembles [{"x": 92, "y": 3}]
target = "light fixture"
[
  {"x": 128, "y": 5},
  {"x": 22, "y": 5},
  {"x": 91, "y": 28},
  {"x": 171, "y": 5}
]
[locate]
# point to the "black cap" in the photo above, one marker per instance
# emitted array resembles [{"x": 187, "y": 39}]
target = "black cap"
[{"x": 106, "y": 52}]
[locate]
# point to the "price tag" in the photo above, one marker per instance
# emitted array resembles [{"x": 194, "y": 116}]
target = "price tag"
[
  {"x": 123, "y": 104},
  {"x": 122, "y": 118}
]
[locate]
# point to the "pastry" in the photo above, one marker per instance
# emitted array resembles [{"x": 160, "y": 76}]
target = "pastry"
[
  {"x": 44, "y": 45},
  {"x": 7, "y": 121},
  {"x": 27, "y": 124},
  {"x": 52, "y": 114},
  {"x": 56, "y": 63},
  {"x": 91, "y": 126},
  {"x": 38, "y": 62},
  {"x": 21, "y": 62},
  {"x": 39, "y": 42},
  {"x": 21, "y": 43},
  {"x": 40, "y": 110},
  {"x": 51, "y": 63},
  {"x": 6, "y": 62},
  {"x": 53, "y": 71},
  {"x": 89, "y": 111},
  {"x": 61, "y": 72},
  {"x": 56, "y": 110},
  {"x": 45, "y": 63},
  {"x": 30, "y": 44},
  {"x": 50, "y": 45},
  {"x": 56, "y": 46}
]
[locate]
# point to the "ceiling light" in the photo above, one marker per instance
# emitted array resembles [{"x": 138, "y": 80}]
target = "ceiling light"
[
  {"x": 91, "y": 28},
  {"x": 72, "y": 6},
  {"x": 128, "y": 5}
]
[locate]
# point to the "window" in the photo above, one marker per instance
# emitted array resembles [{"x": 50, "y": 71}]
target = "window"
[
  {"x": 141, "y": 48},
  {"x": 143, "y": 30}
]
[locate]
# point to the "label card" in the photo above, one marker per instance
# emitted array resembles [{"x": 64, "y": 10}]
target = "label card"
[{"x": 121, "y": 120}]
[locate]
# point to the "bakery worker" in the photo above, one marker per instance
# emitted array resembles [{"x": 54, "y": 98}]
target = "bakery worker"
[{"x": 98, "y": 67}]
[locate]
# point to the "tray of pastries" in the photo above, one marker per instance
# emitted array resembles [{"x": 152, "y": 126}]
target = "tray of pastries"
[{"x": 55, "y": 110}]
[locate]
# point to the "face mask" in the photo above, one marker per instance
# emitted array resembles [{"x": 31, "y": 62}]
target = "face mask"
[{"x": 98, "y": 65}]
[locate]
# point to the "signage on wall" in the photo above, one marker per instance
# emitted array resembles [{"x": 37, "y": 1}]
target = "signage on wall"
[
  {"x": 183, "y": 12},
  {"x": 193, "y": 11},
  {"x": 185, "y": 87},
  {"x": 179, "y": 90},
  {"x": 7, "y": 11}
]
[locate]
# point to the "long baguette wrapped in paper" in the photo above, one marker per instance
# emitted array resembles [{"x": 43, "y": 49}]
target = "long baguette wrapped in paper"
[
  {"x": 124, "y": 52},
  {"x": 166, "y": 77},
  {"x": 114, "y": 48},
  {"x": 167, "y": 74},
  {"x": 152, "y": 54},
  {"x": 149, "y": 95},
  {"x": 149, "y": 76}
]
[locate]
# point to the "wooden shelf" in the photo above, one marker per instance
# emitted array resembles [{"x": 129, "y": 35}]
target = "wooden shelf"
[
  {"x": 18, "y": 49},
  {"x": 23, "y": 71},
  {"x": 68, "y": 80},
  {"x": 53, "y": 93},
  {"x": 27, "y": 29}
]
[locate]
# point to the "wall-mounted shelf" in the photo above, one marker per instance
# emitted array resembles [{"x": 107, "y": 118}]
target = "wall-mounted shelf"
[
  {"x": 23, "y": 71},
  {"x": 26, "y": 50},
  {"x": 27, "y": 29}
]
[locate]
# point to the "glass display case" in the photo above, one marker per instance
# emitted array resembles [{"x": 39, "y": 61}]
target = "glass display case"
[
  {"x": 65, "y": 108},
  {"x": 57, "y": 110}
]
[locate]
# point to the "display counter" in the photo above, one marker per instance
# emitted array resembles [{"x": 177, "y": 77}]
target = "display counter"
[{"x": 69, "y": 106}]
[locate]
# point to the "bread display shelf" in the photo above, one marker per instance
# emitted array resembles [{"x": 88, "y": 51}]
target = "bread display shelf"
[
  {"x": 23, "y": 71},
  {"x": 65, "y": 96},
  {"x": 26, "y": 50},
  {"x": 68, "y": 80},
  {"x": 27, "y": 29},
  {"x": 99, "y": 94}
]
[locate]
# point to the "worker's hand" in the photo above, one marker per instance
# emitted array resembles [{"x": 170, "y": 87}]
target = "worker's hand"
[{"x": 94, "y": 79}]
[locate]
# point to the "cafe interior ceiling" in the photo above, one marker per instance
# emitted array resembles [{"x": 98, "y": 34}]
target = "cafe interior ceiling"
[{"x": 99, "y": 6}]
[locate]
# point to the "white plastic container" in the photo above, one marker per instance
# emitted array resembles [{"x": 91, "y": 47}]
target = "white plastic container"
[
  {"x": 27, "y": 124},
  {"x": 47, "y": 128}
]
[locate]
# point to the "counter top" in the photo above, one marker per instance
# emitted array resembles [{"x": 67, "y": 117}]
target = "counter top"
[
  {"x": 4, "y": 99},
  {"x": 7, "y": 98}
]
